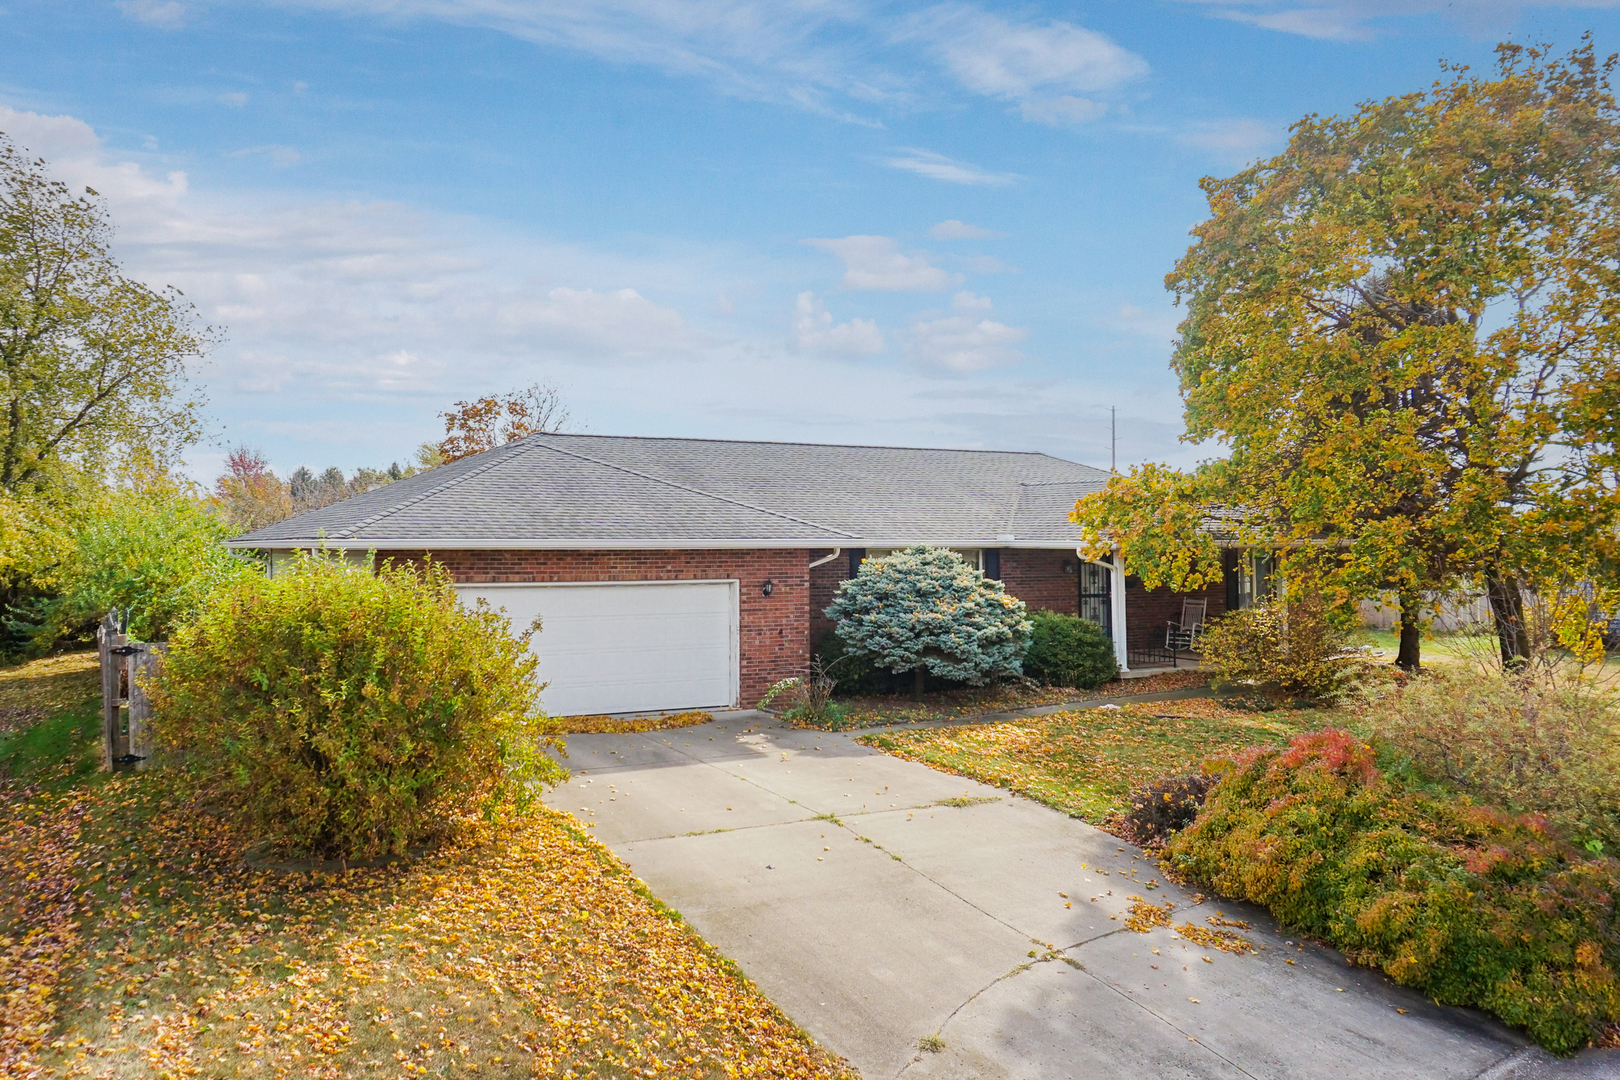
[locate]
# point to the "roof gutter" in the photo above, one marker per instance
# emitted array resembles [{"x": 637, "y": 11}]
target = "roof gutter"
[{"x": 344, "y": 543}]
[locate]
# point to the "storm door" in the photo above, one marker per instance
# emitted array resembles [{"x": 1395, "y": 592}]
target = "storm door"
[{"x": 1096, "y": 583}]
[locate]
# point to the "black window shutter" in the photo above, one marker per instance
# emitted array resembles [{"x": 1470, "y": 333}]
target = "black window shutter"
[
  {"x": 1229, "y": 568},
  {"x": 992, "y": 563},
  {"x": 855, "y": 557}
]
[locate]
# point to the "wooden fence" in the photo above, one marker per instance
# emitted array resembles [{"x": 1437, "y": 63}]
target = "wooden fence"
[{"x": 126, "y": 711}]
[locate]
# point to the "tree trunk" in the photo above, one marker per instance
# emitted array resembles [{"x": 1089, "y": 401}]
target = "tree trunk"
[
  {"x": 1507, "y": 612},
  {"x": 1410, "y": 656},
  {"x": 921, "y": 683}
]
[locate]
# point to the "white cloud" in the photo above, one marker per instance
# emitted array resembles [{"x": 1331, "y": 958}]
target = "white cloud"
[
  {"x": 958, "y": 230},
  {"x": 1357, "y": 20},
  {"x": 234, "y": 99},
  {"x": 815, "y": 331},
  {"x": 168, "y": 15},
  {"x": 798, "y": 53},
  {"x": 876, "y": 262},
  {"x": 621, "y": 325},
  {"x": 1016, "y": 61},
  {"x": 967, "y": 340},
  {"x": 939, "y": 167},
  {"x": 351, "y": 323},
  {"x": 1235, "y": 140},
  {"x": 1159, "y": 325},
  {"x": 344, "y": 299},
  {"x": 1066, "y": 111},
  {"x": 818, "y": 55}
]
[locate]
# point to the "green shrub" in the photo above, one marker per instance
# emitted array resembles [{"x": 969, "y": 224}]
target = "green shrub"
[
  {"x": 1066, "y": 650},
  {"x": 1474, "y": 906},
  {"x": 852, "y": 670},
  {"x": 344, "y": 713},
  {"x": 1294, "y": 647},
  {"x": 154, "y": 551},
  {"x": 807, "y": 699},
  {"x": 1526, "y": 742},
  {"x": 924, "y": 609}
]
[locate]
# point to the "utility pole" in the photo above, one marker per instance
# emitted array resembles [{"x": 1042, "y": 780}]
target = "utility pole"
[{"x": 1113, "y": 442}]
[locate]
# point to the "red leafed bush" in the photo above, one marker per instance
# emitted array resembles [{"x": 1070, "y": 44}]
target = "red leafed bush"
[{"x": 1472, "y": 905}]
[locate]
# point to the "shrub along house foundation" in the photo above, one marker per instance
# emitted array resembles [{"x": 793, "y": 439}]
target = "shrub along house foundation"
[{"x": 682, "y": 573}]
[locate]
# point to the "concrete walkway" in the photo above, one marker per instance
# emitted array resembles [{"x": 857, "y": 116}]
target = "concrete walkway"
[{"x": 880, "y": 903}]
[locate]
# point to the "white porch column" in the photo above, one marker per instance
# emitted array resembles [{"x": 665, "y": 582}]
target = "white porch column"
[{"x": 1116, "y": 599}]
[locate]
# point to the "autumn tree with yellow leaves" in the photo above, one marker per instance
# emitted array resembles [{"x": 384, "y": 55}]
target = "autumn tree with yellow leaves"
[{"x": 1403, "y": 329}]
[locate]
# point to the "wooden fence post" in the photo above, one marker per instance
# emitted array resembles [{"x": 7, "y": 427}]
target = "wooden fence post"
[{"x": 111, "y": 641}]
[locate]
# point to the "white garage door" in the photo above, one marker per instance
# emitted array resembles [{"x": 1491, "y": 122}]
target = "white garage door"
[{"x": 627, "y": 647}]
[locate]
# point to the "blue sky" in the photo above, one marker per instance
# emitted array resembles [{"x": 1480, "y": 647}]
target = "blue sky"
[{"x": 920, "y": 224}]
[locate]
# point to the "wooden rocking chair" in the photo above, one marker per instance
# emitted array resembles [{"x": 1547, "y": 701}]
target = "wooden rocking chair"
[{"x": 1183, "y": 636}]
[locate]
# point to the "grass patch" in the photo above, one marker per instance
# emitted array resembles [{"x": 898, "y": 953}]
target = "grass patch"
[
  {"x": 883, "y": 710},
  {"x": 50, "y": 722},
  {"x": 31, "y": 691},
  {"x": 1087, "y": 763},
  {"x": 625, "y": 725},
  {"x": 55, "y": 753}
]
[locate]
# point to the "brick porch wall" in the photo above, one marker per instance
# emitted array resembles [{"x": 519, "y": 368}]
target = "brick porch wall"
[
  {"x": 1037, "y": 578},
  {"x": 1148, "y": 612},
  {"x": 773, "y": 630}
]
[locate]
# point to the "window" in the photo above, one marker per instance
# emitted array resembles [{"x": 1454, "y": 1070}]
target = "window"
[
  {"x": 1255, "y": 580},
  {"x": 974, "y": 557},
  {"x": 1096, "y": 594}
]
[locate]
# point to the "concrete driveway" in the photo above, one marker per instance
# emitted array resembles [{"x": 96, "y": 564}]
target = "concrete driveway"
[{"x": 880, "y": 903}]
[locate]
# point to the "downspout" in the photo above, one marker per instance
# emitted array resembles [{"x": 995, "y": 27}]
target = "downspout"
[
  {"x": 822, "y": 562},
  {"x": 1116, "y": 605}
]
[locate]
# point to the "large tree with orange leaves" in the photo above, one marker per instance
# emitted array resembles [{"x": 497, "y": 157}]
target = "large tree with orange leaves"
[
  {"x": 1405, "y": 328},
  {"x": 487, "y": 422}
]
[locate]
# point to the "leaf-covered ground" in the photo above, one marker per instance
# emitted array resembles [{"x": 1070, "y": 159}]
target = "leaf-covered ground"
[
  {"x": 602, "y": 724},
  {"x": 135, "y": 942},
  {"x": 881, "y": 710},
  {"x": 1087, "y": 762}
]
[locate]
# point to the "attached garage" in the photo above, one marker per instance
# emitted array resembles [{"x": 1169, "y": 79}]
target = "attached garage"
[
  {"x": 695, "y": 573},
  {"x": 627, "y": 646}
]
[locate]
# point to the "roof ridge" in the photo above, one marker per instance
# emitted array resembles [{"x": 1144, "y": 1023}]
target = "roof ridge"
[
  {"x": 517, "y": 448},
  {"x": 774, "y": 442},
  {"x": 687, "y": 487},
  {"x": 1058, "y": 483}
]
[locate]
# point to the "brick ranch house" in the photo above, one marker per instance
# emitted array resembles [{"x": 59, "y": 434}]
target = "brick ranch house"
[{"x": 677, "y": 573}]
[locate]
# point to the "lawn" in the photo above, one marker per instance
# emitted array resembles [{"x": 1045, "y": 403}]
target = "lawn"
[
  {"x": 882, "y": 710},
  {"x": 1086, "y": 763},
  {"x": 136, "y": 942}
]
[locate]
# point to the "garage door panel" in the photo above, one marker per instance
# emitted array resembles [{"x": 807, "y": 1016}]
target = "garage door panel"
[{"x": 627, "y": 647}]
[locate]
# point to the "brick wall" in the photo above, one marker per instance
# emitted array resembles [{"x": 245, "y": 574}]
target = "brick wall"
[
  {"x": 1148, "y": 612},
  {"x": 774, "y": 630},
  {"x": 1037, "y": 578},
  {"x": 824, "y": 582}
]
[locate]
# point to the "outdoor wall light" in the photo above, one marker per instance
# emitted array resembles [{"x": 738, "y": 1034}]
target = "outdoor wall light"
[
  {"x": 1068, "y": 567},
  {"x": 767, "y": 588}
]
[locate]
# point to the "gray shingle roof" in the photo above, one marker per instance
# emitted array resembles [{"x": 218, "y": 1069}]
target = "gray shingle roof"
[{"x": 595, "y": 490}]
